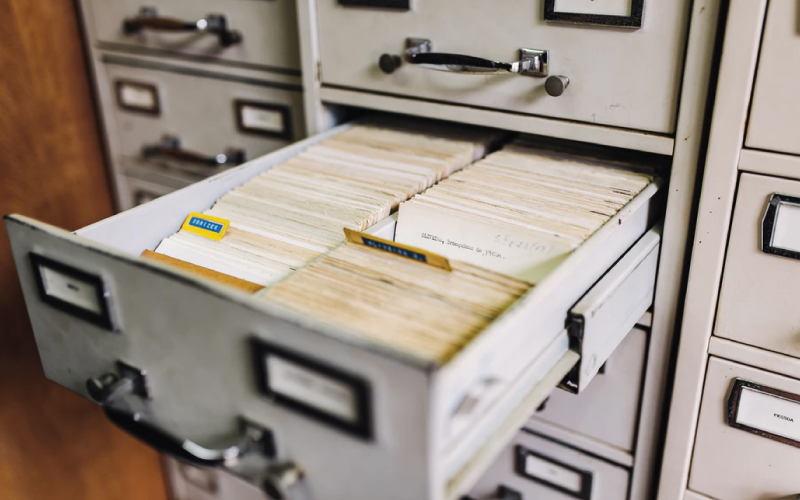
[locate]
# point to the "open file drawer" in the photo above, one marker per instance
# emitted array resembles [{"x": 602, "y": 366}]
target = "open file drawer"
[{"x": 94, "y": 303}]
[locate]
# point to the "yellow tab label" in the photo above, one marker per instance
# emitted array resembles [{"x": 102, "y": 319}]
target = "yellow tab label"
[
  {"x": 208, "y": 226},
  {"x": 406, "y": 251}
]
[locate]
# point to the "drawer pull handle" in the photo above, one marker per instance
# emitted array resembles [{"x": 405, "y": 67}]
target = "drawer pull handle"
[
  {"x": 532, "y": 62},
  {"x": 556, "y": 85},
  {"x": 148, "y": 19},
  {"x": 124, "y": 401},
  {"x": 170, "y": 147}
]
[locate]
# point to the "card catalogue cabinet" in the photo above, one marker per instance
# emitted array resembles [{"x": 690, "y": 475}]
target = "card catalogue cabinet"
[{"x": 210, "y": 370}]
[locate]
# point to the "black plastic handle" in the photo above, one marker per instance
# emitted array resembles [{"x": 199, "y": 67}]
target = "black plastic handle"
[
  {"x": 231, "y": 157},
  {"x": 183, "y": 449},
  {"x": 457, "y": 62},
  {"x": 212, "y": 23}
]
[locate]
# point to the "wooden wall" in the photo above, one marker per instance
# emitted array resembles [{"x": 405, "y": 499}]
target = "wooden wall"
[{"x": 53, "y": 444}]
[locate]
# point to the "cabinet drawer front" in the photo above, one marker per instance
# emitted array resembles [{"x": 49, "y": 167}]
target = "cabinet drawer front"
[
  {"x": 621, "y": 77},
  {"x": 536, "y": 467},
  {"x": 192, "y": 483},
  {"x": 775, "y": 113},
  {"x": 608, "y": 409},
  {"x": 208, "y": 115},
  {"x": 758, "y": 299},
  {"x": 268, "y": 29},
  {"x": 737, "y": 464}
]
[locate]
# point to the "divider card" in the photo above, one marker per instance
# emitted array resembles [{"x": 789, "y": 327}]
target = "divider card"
[{"x": 524, "y": 254}]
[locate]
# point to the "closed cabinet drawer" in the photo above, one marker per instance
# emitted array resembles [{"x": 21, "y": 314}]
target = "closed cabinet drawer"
[
  {"x": 534, "y": 467},
  {"x": 143, "y": 191},
  {"x": 748, "y": 435},
  {"x": 624, "y": 77},
  {"x": 761, "y": 280},
  {"x": 260, "y": 33},
  {"x": 197, "y": 341},
  {"x": 189, "y": 127},
  {"x": 608, "y": 409},
  {"x": 775, "y": 112}
]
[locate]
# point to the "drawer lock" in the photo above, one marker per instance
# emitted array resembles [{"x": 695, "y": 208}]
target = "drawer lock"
[{"x": 532, "y": 62}]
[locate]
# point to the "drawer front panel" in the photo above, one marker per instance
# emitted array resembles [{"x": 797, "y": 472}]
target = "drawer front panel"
[
  {"x": 608, "y": 409},
  {"x": 268, "y": 29},
  {"x": 621, "y": 77},
  {"x": 535, "y": 467},
  {"x": 204, "y": 114},
  {"x": 758, "y": 299},
  {"x": 736, "y": 463},
  {"x": 775, "y": 113}
]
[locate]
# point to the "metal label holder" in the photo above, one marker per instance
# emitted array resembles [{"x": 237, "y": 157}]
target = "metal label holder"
[{"x": 733, "y": 408}]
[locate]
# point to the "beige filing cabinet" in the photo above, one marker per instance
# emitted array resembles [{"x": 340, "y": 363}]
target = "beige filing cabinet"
[
  {"x": 187, "y": 89},
  {"x": 616, "y": 78},
  {"x": 734, "y": 424}
]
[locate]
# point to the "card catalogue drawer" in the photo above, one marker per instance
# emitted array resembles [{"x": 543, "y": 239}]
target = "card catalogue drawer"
[
  {"x": 194, "y": 340},
  {"x": 256, "y": 33},
  {"x": 536, "y": 467},
  {"x": 623, "y": 77},
  {"x": 757, "y": 304},
  {"x": 161, "y": 113},
  {"x": 775, "y": 112},
  {"x": 609, "y": 409},
  {"x": 748, "y": 434}
]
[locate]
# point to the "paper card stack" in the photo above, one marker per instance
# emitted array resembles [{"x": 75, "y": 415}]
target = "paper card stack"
[
  {"x": 406, "y": 305},
  {"x": 286, "y": 216},
  {"x": 520, "y": 211}
]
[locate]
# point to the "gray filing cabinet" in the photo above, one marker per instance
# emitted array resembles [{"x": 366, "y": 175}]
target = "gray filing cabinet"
[
  {"x": 178, "y": 106},
  {"x": 187, "y": 89}
]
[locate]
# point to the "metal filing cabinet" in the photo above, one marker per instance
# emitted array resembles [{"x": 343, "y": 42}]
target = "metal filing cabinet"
[
  {"x": 187, "y": 89},
  {"x": 733, "y": 425},
  {"x": 627, "y": 80}
]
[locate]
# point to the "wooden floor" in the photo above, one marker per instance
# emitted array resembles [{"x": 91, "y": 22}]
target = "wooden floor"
[{"x": 54, "y": 445}]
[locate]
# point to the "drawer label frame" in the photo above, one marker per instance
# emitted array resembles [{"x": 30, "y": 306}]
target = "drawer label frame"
[
  {"x": 101, "y": 317},
  {"x": 319, "y": 374},
  {"x": 521, "y": 454},
  {"x": 734, "y": 400},
  {"x": 150, "y": 88},
  {"x": 769, "y": 225},
  {"x": 634, "y": 20},
  {"x": 241, "y": 106}
]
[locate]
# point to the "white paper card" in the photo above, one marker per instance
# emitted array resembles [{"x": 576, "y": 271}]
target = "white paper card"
[
  {"x": 71, "y": 290},
  {"x": 601, "y": 7},
  {"x": 553, "y": 473},
  {"x": 267, "y": 120},
  {"x": 517, "y": 253},
  {"x": 309, "y": 387},
  {"x": 769, "y": 413},
  {"x": 136, "y": 96},
  {"x": 787, "y": 228}
]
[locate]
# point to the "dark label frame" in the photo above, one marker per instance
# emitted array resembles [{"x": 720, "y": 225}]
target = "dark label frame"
[
  {"x": 361, "y": 428},
  {"x": 286, "y": 119},
  {"x": 733, "y": 408},
  {"x": 150, "y": 87},
  {"x": 521, "y": 453},
  {"x": 102, "y": 320},
  {"x": 632, "y": 21}
]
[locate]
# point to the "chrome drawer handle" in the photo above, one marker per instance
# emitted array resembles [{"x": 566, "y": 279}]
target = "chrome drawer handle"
[
  {"x": 170, "y": 147},
  {"x": 148, "y": 19},
  {"x": 532, "y": 62},
  {"x": 124, "y": 401}
]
